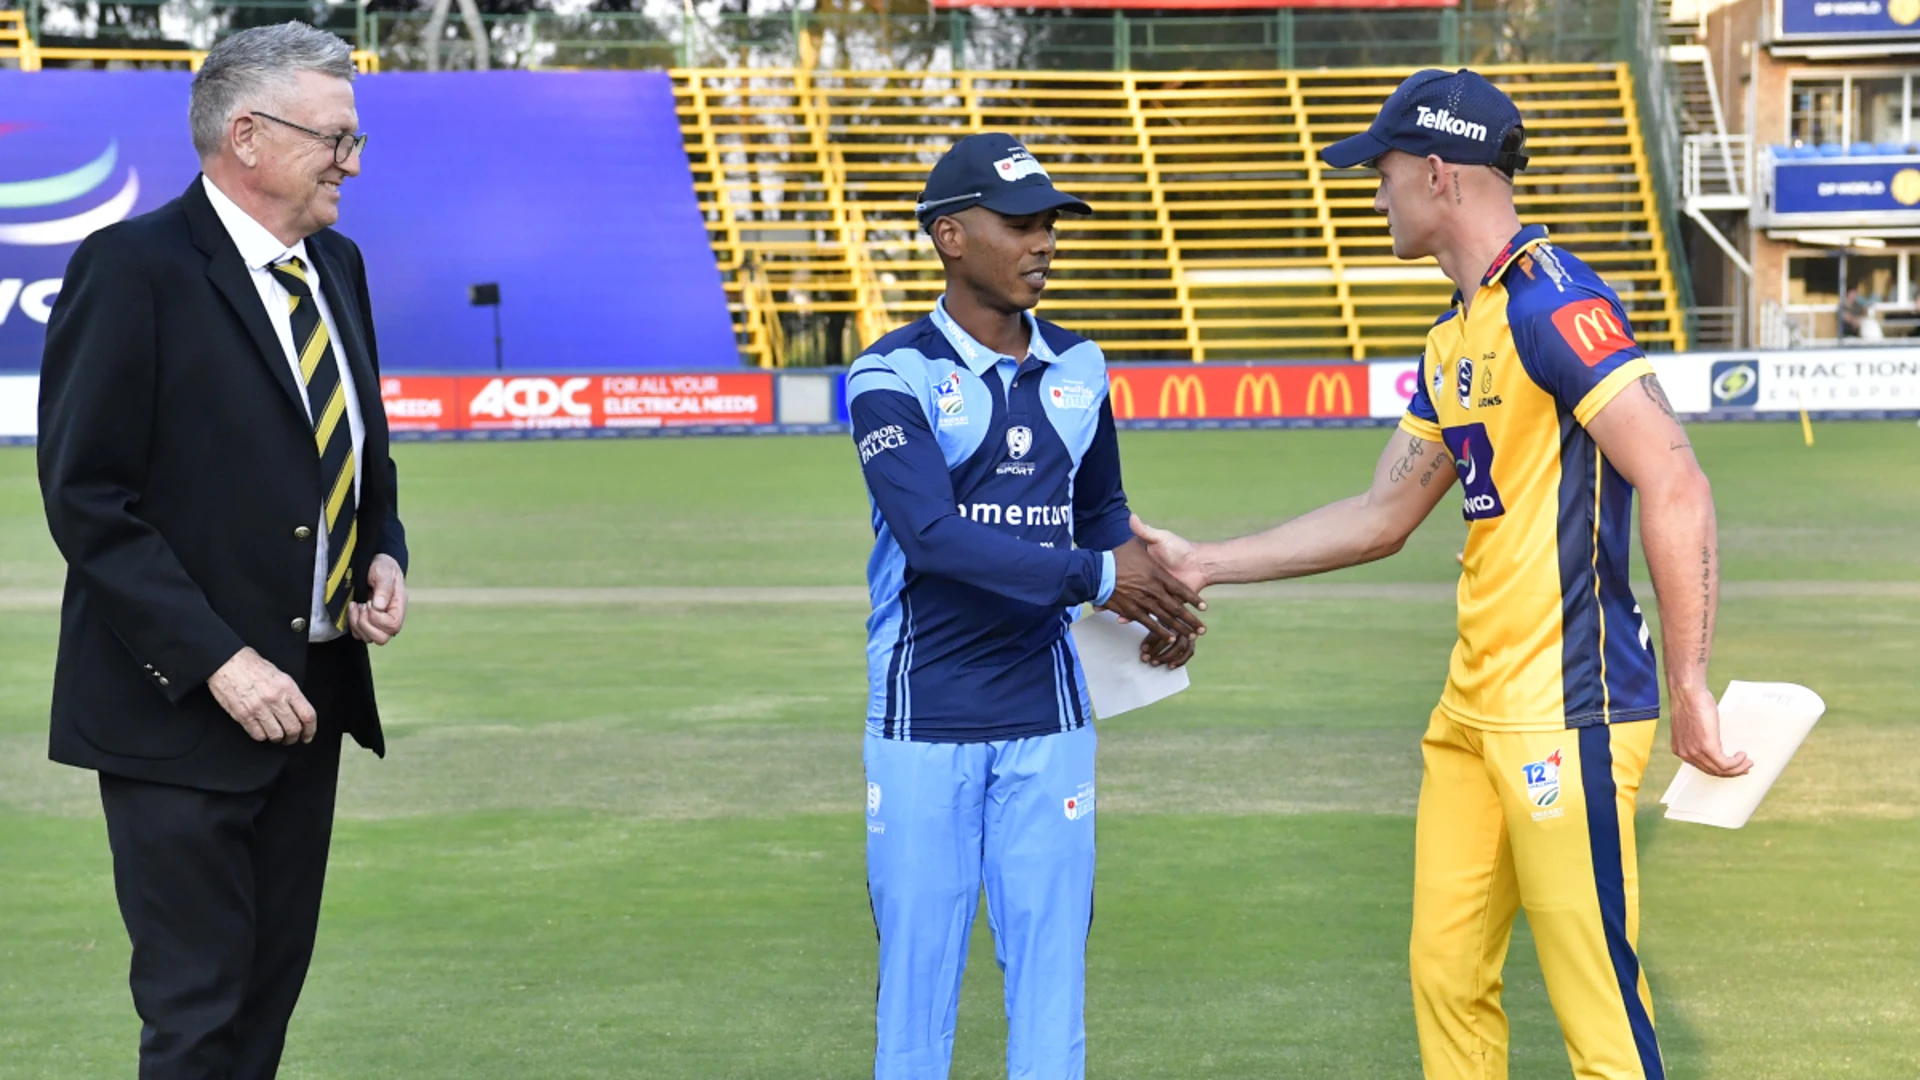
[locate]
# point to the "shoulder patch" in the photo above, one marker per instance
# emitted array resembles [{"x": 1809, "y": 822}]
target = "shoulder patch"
[
  {"x": 1547, "y": 258},
  {"x": 1592, "y": 330}
]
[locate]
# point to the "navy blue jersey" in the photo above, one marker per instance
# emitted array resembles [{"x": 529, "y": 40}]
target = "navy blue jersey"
[{"x": 995, "y": 487}]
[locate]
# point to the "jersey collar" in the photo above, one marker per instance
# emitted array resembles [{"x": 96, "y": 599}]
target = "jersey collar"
[
  {"x": 1526, "y": 238},
  {"x": 978, "y": 357}
]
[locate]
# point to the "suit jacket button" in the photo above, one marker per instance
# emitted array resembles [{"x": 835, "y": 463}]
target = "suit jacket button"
[
  {"x": 299, "y": 626},
  {"x": 302, "y": 533},
  {"x": 163, "y": 680}
]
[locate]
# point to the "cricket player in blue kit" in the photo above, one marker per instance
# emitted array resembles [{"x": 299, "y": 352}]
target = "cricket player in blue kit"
[{"x": 989, "y": 452}]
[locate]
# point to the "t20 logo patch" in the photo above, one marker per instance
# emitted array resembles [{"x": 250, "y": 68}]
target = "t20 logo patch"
[
  {"x": 1464, "y": 379},
  {"x": 1593, "y": 330},
  {"x": 946, "y": 394},
  {"x": 1019, "y": 441},
  {"x": 1473, "y": 461},
  {"x": 1543, "y": 780}
]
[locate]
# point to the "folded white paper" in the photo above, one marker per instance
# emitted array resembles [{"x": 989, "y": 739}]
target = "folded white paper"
[
  {"x": 1767, "y": 721},
  {"x": 1117, "y": 680}
]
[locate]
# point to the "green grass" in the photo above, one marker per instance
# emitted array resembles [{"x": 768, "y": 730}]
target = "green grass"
[{"x": 621, "y": 842}]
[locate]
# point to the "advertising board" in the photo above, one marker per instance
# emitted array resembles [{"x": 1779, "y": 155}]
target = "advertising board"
[
  {"x": 1204, "y": 392},
  {"x": 539, "y": 402},
  {"x": 1841, "y": 20},
  {"x": 1867, "y": 383},
  {"x": 1875, "y": 191}
]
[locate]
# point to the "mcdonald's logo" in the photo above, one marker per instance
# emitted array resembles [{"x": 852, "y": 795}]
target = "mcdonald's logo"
[
  {"x": 1118, "y": 390},
  {"x": 1592, "y": 330},
  {"x": 1254, "y": 390},
  {"x": 1184, "y": 390},
  {"x": 1321, "y": 390}
]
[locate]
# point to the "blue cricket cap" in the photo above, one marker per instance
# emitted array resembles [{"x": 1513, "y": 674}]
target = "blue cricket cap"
[
  {"x": 1456, "y": 116},
  {"x": 993, "y": 170}
]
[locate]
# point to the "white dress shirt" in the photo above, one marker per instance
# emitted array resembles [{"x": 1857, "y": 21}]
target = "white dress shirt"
[{"x": 259, "y": 249}]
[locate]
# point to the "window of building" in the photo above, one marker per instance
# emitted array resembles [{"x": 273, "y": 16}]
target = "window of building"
[
  {"x": 1878, "y": 300},
  {"x": 1877, "y": 108},
  {"x": 1849, "y": 110},
  {"x": 1819, "y": 112}
]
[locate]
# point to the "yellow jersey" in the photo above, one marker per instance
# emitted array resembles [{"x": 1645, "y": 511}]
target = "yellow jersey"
[{"x": 1550, "y": 634}]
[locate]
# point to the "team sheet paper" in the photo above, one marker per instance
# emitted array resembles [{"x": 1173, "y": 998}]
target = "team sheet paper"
[
  {"x": 1768, "y": 721},
  {"x": 1116, "y": 679}
]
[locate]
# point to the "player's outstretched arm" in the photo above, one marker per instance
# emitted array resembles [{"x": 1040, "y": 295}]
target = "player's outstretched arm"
[
  {"x": 911, "y": 488},
  {"x": 1411, "y": 475},
  {"x": 1640, "y": 434}
]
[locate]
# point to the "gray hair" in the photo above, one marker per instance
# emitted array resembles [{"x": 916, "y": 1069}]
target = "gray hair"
[{"x": 257, "y": 63}]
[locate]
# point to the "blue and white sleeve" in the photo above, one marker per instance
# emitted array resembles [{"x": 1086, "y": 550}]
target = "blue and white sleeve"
[
  {"x": 908, "y": 479},
  {"x": 1101, "y": 517}
]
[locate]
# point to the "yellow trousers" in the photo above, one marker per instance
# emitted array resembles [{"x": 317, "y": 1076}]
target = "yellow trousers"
[{"x": 1541, "y": 820}]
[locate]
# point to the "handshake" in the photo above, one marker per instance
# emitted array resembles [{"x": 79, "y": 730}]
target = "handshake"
[{"x": 1156, "y": 582}]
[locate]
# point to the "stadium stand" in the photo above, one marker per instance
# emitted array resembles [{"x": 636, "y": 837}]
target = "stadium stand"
[{"x": 1218, "y": 234}]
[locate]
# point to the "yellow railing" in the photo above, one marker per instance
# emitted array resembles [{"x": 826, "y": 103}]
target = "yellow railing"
[
  {"x": 1218, "y": 234},
  {"x": 15, "y": 43}
]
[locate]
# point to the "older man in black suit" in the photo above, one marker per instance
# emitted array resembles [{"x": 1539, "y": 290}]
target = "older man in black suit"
[{"x": 214, "y": 460}]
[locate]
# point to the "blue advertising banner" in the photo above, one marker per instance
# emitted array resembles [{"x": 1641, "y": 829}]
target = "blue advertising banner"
[
  {"x": 1876, "y": 19},
  {"x": 570, "y": 191},
  {"x": 1886, "y": 189}
]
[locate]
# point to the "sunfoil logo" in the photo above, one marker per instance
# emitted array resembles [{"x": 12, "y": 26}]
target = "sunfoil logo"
[
  {"x": 67, "y": 187},
  {"x": 1736, "y": 383}
]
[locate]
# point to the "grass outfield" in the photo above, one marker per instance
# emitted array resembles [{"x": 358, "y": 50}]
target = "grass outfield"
[{"x": 614, "y": 840}]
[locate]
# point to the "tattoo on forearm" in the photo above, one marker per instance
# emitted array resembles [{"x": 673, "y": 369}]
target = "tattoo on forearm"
[
  {"x": 1426, "y": 478},
  {"x": 1404, "y": 467}
]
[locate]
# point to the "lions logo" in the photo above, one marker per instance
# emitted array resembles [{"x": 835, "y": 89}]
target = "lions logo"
[{"x": 1019, "y": 441}]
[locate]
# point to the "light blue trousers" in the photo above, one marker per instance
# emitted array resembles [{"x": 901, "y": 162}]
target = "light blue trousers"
[{"x": 943, "y": 818}]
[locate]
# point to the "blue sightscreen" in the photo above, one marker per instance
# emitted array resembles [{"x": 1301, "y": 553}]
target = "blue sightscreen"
[{"x": 571, "y": 191}]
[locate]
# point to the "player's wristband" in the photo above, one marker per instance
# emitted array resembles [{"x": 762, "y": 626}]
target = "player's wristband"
[{"x": 1106, "y": 578}]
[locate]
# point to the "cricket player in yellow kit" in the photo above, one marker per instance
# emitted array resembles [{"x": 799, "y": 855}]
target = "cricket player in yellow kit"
[{"x": 1534, "y": 396}]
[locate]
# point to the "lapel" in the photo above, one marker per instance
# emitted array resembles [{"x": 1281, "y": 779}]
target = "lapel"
[
  {"x": 342, "y": 294},
  {"x": 230, "y": 275}
]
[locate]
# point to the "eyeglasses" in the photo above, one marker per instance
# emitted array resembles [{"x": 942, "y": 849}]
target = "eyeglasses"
[{"x": 344, "y": 146}]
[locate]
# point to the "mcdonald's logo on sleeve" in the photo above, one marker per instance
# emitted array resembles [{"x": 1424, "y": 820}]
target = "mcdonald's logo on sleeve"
[
  {"x": 1120, "y": 396},
  {"x": 1183, "y": 391},
  {"x": 1321, "y": 390},
  {"x": 1592, "y": 330},
  {"x": 1255, "y": 390}
]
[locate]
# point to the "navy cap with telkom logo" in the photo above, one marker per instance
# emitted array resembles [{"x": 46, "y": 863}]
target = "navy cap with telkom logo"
[
  {"x": 993, "y": 170},
  {"x": 1456, "y": 116}
]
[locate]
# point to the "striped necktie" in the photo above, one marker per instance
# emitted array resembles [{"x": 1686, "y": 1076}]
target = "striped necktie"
[{"x": 332, "y": 437}]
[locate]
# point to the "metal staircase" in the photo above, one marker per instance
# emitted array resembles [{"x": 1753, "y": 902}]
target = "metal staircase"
[{"x": 1715, "y": 163}]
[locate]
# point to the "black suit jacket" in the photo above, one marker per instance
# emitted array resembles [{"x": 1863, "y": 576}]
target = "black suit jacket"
[{"x": 177, "y": 462}]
